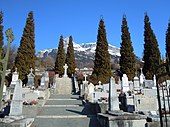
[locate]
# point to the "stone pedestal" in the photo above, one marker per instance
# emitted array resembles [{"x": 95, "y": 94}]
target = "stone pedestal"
[
  {"x": 63, "y": 86},
  {"x": 121, "y": 119}
]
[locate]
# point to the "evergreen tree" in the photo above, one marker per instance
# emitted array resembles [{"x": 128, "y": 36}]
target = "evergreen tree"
[
  {"x": 70, "y": 59},
  {"x": 25, "y": 59},
  {"x": 127, "y": 59},
  {"x": 60, "y": 59},
  {"x": 168, "y": 42},
  {"x": 102, "y": 66},
  {"x": 1, "y": 37},
  {"x": 151, "y": 56}
]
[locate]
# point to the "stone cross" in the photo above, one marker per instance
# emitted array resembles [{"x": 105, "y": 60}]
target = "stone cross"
[
  {"x": 113, "y": 98},
  {"x": 65, "y": 70},
  {"x": 30, "y": 78}
]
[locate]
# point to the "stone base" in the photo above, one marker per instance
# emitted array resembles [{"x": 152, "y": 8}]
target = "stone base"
[
  {"x": 121, "y": 119},
  {"x": 63, "y": 86}
]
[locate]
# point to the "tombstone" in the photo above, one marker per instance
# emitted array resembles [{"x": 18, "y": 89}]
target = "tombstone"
[
  {"x": 125, "y": 83},
  {"x": 131, "y": 86},
  {"x": 16, "y": 103},
  {"x": 15, "y": 76},
  {"x": 106, "y": 88},
  {"x": 154, "y": 81},
  {"x": 76, "y": 84},
  {"x": 30, "y": 78},
  {"x": 90, "y": 88},
  {"x": 44, "y": 80},
  {"x": 149, "y": 84},
  {"x": 90, "y": 92},
  {"x": 136, "y": 83},
  {"x": 141, "y": 78},
  {"x": 65, "y": 70},
  {"x": 119, "y": 86},
  {"x": 113, "y": 98}
]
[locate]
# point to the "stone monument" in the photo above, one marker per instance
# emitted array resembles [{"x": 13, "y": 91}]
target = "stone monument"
[
  {"x": 15, "y": 76},
  {"x": 16, "y": 103},
  {"x": 136, "y": 83},
  {"x": 113, "y": 98},
  {"x": 125, "y": 83},
  {"x": 63, "y": 85},
  {"x": 141, "y": 78},
  {"x": 30, "y": 78},
  {"x": 65, "y": 70}
]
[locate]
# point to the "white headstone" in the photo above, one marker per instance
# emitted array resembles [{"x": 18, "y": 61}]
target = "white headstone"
[
  {"x": 44, "y": 80},
  {"x": 16, "y": 103},
  {"x": 136, "y": 83},
  {"x": 113, "y": 98},
  {"x": 15, "y": 76},
  {"x": 154, "y": 80},
  {"x": 125, "y": 83},
  {"x": 90, "y": 88},
  {"x": 65, "y": 70},
  {"x": 141, "y": 78}
]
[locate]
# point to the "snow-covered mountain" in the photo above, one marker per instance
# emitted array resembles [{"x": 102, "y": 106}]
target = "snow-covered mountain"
[{"x": 83, "y": 52}]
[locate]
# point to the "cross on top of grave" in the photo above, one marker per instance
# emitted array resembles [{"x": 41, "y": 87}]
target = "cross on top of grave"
[
  {"x": 31, "y": 73},
  {"x": 65, "y": 70}
]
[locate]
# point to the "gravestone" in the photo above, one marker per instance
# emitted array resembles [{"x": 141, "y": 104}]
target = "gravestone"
[
  {"x": 15, "y": 76},
  {"x": 113, "y": 98},
  {"x": 44, "y": 80},
  {"x": 30, "y": 78},
  {"x": 76, "y": 84},
  {"x": 63, "y": 85},
  {"x": 141, "y": 78},
  {"x": 90, "y": 88},
  {"x": 148, "y": 84},
  {"x": 136, "y": 83},
  {"x": 65, "y": 70},
  {"x": 125, "y": 83},
  {"x": 90, "y": 92},
  {"x": 131, "y": 86},
  {"x": 16, "y": 103},
  {"x": 154, "y": 81}
]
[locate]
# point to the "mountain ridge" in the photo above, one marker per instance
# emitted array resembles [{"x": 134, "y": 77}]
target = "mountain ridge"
[{"x": 84, "y": 53}]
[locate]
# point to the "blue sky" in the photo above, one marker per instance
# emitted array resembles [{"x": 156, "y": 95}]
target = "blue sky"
[{"x": 80, "y": 18}]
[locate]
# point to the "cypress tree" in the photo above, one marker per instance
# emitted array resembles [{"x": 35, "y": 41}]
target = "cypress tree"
[
  {"x": 151, "y": 56},
  {"x": 168, "y": 42},
  {"x": 25, "y": 59},
  {"x": 102, "y": 66},
  {"x": 1, "y": 37},
  {"x": 70, "y": 58},
  {"x": 60, "y": 59},
  {"x": 127, "y": 59}
]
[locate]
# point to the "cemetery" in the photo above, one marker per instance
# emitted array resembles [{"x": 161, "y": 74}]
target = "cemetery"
[
  {"x": 124, "y": 92},
  {"x": 126, "y": 104}
]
